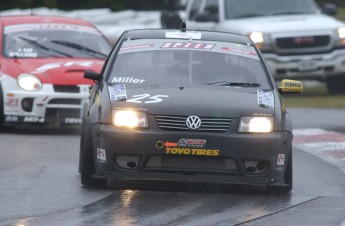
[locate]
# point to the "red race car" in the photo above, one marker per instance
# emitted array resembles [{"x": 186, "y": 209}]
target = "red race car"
[{"x": 42, "y": 62}]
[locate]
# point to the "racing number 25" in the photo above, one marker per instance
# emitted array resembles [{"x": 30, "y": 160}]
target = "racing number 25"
[{"x": 147, "y": 99}]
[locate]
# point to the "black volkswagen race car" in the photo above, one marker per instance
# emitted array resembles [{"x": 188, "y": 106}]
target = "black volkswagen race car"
[{"x": 186, "y": 106}]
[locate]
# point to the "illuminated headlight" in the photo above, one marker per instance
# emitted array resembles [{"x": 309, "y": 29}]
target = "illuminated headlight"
[
  {"x": 261, "y": 40},
  {"x": 130, "y": 118},
  {"x": 29, "y": 82},
  {"x": 256, "y": 37},
  {"x": 341, "y": 32},
  {"x": 256, "y": 125},
  {"x": 340, "y": 36}
]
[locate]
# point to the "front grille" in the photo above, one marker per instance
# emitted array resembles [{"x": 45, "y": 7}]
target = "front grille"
[
  {"x": 65, "y": 101},
  {"x": 178, "y": 123},
  {"x": 303, "y": 42},
  {"x": 200, "y": 163},
  {"x": 63, "y": 113},
  {"x": 66, "y": 89}
]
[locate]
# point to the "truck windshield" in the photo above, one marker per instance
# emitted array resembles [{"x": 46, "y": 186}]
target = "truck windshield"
[{"x": 254, "y": 8}]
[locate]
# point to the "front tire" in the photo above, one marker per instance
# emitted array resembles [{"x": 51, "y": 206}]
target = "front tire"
[
  {"x": 287, "y": 177},
  {"x": 2, "y": 106},
  {"x": 86, "y": 159},
  {"x": 4, "y": 128},
  {"x": 336, "y": 85}
]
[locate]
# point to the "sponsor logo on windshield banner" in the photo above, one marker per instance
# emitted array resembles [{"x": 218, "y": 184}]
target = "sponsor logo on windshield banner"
[
  {"x": 239, "y": 51},
  {"x": 185, "y": 35},
  {"x": 188, "y": 45},
  {"x": 49, "y": 26},
  {"x": 137, "y": 47}
]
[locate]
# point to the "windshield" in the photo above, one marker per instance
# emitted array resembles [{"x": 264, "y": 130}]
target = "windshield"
[
  {"x": 252, "y": 8},
  {"x": 142, "y": 63},
  {"x": 54, "y": 40}
]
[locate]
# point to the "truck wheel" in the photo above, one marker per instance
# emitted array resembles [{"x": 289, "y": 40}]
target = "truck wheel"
[
  {"x": 336, "y": 85},
  {"x": 86, "y": 160},
  {"x": 288, "y": 179}
]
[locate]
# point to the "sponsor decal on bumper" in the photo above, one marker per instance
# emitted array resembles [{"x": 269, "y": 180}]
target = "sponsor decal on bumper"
[{"x": 40, "y": 120}]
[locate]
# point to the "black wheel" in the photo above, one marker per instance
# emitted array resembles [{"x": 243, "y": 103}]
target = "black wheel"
[
  {"x": 86, "y": 160},
  {"x": 81, "y": 147},
  {"x": 2, "y": 117},
  {"x": 336, "y": 85},
  {"x": 288, "y": 179},
  {"x": 6, "y": 128}
]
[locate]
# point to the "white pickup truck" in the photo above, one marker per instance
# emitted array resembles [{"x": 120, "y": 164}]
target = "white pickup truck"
[{"x": 296, "y": 37}]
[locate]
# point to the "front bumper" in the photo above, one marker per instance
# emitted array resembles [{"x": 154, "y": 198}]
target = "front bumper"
[
  {"x": 233, "y": 158},
  {"x": 51, "y": 104},
  {"x": 308, "y": 66}
]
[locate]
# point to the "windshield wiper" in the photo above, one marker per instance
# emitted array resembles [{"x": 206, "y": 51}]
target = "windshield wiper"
[
  {"x": 239, "y": 84},
  {"x": 288, "y": 13},
  {"x": 78, "y": 47},
  {"x": 35, "y": 43},
  {"x": 248, "y": 15}
]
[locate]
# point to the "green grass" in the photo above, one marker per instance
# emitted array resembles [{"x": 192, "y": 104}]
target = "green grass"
[
  {"x": 314, "y": 96},
  {"x": 315, "y": 101},
  {"x": 341, "y": 13}
]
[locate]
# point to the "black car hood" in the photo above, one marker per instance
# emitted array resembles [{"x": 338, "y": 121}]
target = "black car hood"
[{"x": 203, "y": 101}]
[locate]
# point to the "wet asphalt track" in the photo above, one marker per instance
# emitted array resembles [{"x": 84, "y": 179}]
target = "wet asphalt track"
[{"x": 39, "y": 185}]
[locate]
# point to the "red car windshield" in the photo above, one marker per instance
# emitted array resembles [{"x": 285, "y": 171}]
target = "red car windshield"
[{"x": 54, "y": 40}]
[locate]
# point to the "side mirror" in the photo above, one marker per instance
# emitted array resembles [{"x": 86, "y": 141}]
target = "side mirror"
[
  {"x": 92, "y": 75},
  {"x": 290, "y": 86},
  {"x": 329, "y": 9},
  {"x": 170, "y": 19}
]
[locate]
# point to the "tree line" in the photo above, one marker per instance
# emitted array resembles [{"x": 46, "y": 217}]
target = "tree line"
[{"x": 114, "y": 5}]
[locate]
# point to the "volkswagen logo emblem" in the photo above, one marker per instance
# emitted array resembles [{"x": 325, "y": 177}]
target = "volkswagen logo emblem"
[{"x": 193, "y": 122}]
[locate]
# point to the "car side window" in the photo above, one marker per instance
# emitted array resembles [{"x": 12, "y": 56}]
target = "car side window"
[
  {"x": 194, "y": 9},
  {"x": 211, "y": 7},
  {"x": 209, "y": 12}
]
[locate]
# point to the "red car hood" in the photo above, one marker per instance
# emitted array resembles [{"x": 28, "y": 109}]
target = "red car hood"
[{"x": 58, "y": 71}]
